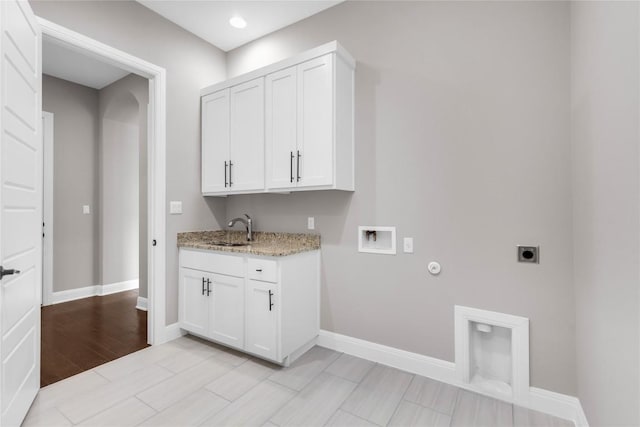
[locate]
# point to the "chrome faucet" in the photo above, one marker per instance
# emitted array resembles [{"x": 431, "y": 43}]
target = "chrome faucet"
[{"x": 248, "y": 223}]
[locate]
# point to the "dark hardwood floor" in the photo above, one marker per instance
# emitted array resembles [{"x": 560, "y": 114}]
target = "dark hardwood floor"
[{"x": 80, "y": 335}]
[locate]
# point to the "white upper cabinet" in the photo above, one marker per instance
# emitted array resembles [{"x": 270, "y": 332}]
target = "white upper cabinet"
[
  {"x": 246, "y": 162},
  {"x": 215, "y": 142},
  {"x": 281, "y": 128},
  {"x": 288, "y": 127},
  {"x": 233, "y": 139},
  {"x": 315, "y": 165}
]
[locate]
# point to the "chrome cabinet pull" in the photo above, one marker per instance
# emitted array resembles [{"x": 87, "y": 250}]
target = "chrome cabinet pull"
[
  {"x": 270, "y": 303},
  {"x": 298, "y": 167},
  {"x": 291, "y": 167},
  {"x": 230, "y": 181},
  {"x": 203, "y": 286},
  {"x": 208, "y": 287},
  {"x": 225, "y": 174}
]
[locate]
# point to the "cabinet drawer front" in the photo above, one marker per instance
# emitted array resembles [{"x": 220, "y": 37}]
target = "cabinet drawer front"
[
  {"x": 212, "y": 262},
  {"x": 263, "y": 269}
]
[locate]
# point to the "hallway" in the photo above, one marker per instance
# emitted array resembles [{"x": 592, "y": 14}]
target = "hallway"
[{"x": 79, "y": 335}]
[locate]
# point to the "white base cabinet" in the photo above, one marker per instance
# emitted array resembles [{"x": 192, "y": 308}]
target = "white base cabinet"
[{"x": 266, "y": 306}]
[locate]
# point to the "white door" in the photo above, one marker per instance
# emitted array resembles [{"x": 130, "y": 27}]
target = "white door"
[
  {"x": 227, "y": 310},
  {"x": 21, "y": 209},
  {"x": 247, "y": 136},
  {"x": 262, "y": 319},
  {"x": 194, "y": 303},
  {"x": 281, "y": 128},
  {"x": 315, "y": 122},
  {"x": 215, "y": 142}
]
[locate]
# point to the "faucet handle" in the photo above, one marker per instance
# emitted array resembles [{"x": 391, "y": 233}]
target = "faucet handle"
[{"x": 248, "y": 217}]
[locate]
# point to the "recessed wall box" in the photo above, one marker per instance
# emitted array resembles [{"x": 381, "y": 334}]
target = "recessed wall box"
[
  {"x": 377, "y": 240},
  {"x": 492, "y": 352},
  {"x": 530, "y": 254}
]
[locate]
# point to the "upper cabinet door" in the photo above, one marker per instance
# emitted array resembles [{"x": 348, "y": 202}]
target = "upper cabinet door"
[
  {"x": 247, "y": 136},
  {"x": 315, "y": 122},
  {"x": 215, "y": 142},
  {"x": 281, "y": 128}
]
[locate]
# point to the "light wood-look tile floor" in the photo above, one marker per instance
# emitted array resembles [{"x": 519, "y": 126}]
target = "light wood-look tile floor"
[{"x": 190, "y": 382}]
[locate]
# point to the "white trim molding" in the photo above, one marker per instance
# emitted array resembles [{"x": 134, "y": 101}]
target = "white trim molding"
[
  {"x": 93, "y": 291},
  {"x": 156, "y": 155},
  {"x": 74, "y": 294},
  {"x": 47, "y": 212},
  {"x": 519, "y": 327},
  {"x": 113, "y": 288},
  {"x": 407, "y": 361},
  {"x": 141, "y": 304},
  {"x": 556, "y": 404},
  {"x": 173, "y": 332}
]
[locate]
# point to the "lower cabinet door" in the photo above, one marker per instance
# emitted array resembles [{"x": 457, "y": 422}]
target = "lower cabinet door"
[
  {"x": 262, "y": 319},
  {"x": 194, "y": 303},
  {"x": 226, "y": 319}
]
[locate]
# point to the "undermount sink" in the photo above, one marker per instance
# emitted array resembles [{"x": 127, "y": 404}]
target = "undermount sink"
[{"x": 231, "y": 243}]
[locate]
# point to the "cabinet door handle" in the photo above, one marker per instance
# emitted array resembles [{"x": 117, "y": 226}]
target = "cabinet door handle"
[
  {"x": 225, "y": 174},
  {"x": 291, "y": 167},
  {"x": 230, "y": 181},
  {"x": 270, "y": 303},
  {"x": 298, "y": 167},
  {"x": 259, "y": 270},
  {"x": 208, "y": 287},
  {"x": 203, "y": 286}
]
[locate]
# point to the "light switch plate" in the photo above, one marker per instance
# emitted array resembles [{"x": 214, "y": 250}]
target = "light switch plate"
[
  {"x": 408, "y": 245},
  {"x": 86, "y": 209},
  {"x": 311, "y": 223},
  {"x": 175, "y": 207}
]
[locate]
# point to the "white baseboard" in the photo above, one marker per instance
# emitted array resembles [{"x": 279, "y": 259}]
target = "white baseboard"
[
  {"x": 173, "y": 332},
  {"x": 411, "y": 362},
  {"x": 113, "y": 288},
  {"x": 92, "y": 291},
  {"x": 142, "y": 304},
  {"x": 556, "y": 404},
  {"x": 74, "y": 294}
]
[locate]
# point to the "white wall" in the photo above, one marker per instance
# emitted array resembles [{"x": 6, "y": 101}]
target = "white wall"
[
  {"x": 606, "y": 192},
  {"x": 76, "y": 124},
  {"x": 123, "y": 114},
  {"x": 119, "y": 196},
  {"x": 462, "y": 142}
]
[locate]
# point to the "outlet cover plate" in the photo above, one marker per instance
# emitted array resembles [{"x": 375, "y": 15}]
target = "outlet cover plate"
[{"x": 529, "y": 254}]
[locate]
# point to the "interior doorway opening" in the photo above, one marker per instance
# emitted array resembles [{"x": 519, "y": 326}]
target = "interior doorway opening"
[
  {"x": 95, "y": 140},
  {"x": 131, "y": 256}
]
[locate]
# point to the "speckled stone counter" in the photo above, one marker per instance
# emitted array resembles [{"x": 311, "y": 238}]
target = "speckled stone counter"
[{"x": 264, "y": 243}]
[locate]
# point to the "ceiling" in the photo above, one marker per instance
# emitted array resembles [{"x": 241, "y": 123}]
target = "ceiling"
[
  {"x": 209, "y": 19},
  {"x": 64, "y": 63}
]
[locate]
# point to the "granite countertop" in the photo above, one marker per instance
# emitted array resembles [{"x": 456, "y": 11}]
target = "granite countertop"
[{"x": 264, "y": 243}]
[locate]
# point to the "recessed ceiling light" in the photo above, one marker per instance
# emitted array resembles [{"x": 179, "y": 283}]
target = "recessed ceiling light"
[{"x": 237, "y": 22}]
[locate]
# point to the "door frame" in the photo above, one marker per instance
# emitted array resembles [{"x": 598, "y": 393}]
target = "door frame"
[
  {"x": 47, "y": 211},
  {"x": 156, "y": 155}
]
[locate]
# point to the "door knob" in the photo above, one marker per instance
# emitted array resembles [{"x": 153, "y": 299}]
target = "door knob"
[{"x": 7, "y": 272}]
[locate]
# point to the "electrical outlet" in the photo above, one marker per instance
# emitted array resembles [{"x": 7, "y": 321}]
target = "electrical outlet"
[
  {"x": 86, "y": 209},
  {"x": 529, "y": 254},
  {"x": 311, "y": 223},
  {"x": 175, "y": 207},
  {"x": 408, "y": 245}
]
